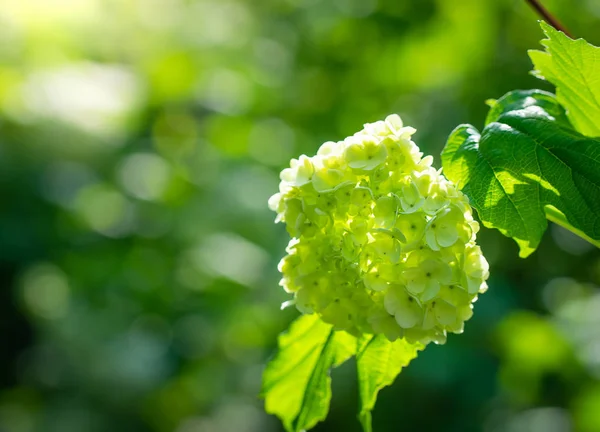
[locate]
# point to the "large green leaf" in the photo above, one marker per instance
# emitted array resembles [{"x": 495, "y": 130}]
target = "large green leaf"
[
  {"x": 378, "y": 363},
  {"x": 573, "y": 66},
  {"x": 526, "y": 165},
  {"x": 296, "y": 383}
]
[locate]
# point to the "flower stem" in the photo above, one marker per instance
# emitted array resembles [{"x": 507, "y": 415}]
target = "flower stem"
[{"x": 544, "y": 13}]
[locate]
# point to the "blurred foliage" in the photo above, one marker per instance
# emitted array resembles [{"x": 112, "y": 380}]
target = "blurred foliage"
[{"x": 139, "y": 142}]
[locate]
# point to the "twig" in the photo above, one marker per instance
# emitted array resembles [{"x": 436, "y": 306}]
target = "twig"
[{"x": 544, "y": 13}]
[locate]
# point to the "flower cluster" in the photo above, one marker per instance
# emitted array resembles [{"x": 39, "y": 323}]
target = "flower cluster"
[{"x": 381, "y": 241}]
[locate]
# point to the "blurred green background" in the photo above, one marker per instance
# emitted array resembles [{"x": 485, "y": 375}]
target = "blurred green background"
[{"x": 139, "y": 143}]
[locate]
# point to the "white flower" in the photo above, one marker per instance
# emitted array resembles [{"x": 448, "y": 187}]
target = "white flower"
[
  {"x": 300, "y": 172},
  {"x": 382, "y": 242}
]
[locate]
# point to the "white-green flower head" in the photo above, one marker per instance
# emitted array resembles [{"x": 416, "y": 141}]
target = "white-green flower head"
[{"x": 381, "y": 241}]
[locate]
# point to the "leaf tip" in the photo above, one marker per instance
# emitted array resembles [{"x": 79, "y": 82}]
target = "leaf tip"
[
  {"x": 525, "y": 246},
  {"x": 546, "y": 28}
]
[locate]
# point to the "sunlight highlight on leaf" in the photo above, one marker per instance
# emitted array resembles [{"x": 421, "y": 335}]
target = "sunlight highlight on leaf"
[
  {"x": 572, "y": 66},
  {"x": 296, "y": 383},
  {"x": 379, "y": 362},
  {"x": 550, "y": 165}
]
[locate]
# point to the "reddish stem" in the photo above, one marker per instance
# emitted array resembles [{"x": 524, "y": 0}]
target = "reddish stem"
[{"x": 544, "y": 13}]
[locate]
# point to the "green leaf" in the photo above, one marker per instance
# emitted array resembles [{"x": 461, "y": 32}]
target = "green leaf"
[
  {"x": 378, "y": 362},
  {"x": 521, "y": 99},
  {"x": 526, "y": 165},
  {"x": 573, "y": 66},
  {"x": 296, "y": 383}
]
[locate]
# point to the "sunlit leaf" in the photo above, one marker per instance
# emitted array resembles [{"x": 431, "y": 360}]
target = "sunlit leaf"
[
  {"x": 573, "y": 66},
  {"x": 525, "y": 166},
  {"x": 296, "y": 383},
  {"x": 379, "y": 361}
]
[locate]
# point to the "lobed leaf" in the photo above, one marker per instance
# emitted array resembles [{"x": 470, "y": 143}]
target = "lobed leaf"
[{"x": 527, "y": 164}]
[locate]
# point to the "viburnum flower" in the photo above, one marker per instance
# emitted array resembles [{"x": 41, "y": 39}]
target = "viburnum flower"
[{"x": 381, "y": 241}]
